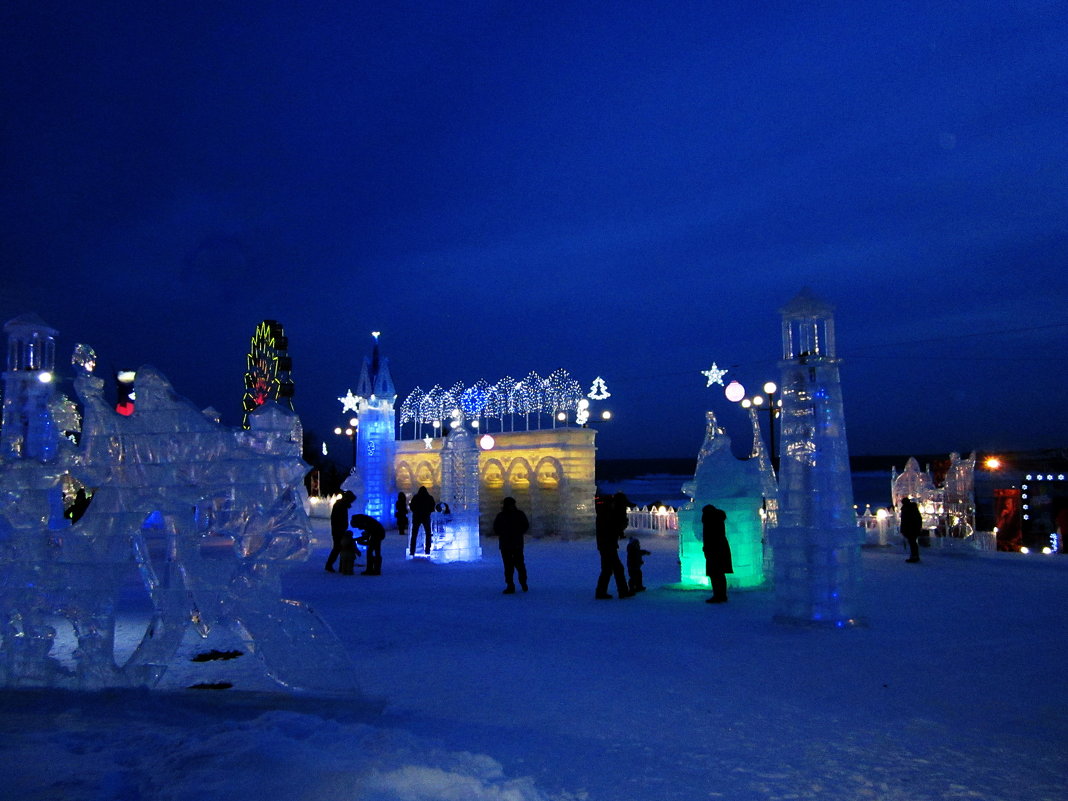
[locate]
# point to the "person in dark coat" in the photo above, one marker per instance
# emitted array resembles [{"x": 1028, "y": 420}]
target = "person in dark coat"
[
  {"x": 400, "y": 511},
  {"x": 635, "y": 552},
  {"x": 717, "y": 551},
  {"x": 609, "y": 534},
  {"x": 422, "y": 506},
  {"x": 373, "y": 534},
  {"x": 510, "y": 525},
  {"x": 339, "y": 528},
  {"x": 911, "y": 527}
]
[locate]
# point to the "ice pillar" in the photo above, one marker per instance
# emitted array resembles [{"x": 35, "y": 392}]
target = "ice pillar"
[
  {"x": 733, "y": 485},
  {"x": 817, "y": 543},
  {"x": 376, "y": 438},
  {"x": 455, "y": 537}
]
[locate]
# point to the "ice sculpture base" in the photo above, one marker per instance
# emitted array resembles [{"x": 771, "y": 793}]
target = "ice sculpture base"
[{"x": 817, "y": 576}]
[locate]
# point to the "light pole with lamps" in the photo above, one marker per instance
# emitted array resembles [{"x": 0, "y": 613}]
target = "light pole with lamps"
[
  {"x": 772, "y": 408},
  {"x": 350, "y": 431}
]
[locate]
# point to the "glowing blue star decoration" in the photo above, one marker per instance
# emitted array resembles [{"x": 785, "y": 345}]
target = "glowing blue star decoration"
[
  {"x": 350, "y": 403},
  {"x": 714, "y": 375}
]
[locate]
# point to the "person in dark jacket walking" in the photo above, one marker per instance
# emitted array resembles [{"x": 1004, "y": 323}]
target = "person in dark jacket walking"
[
  {"x": 911, "y": 527},
  {"x": 373, "y": 534},
  {"x": 717, "y": 551},
  {"x": 339, "y": 527},
  {"x": 609, "y": 534},
  {"x": 400, "y": 512},
  {"x": 422, "y": 505},
  {"x": 510, "y": 525},
  {"x": 635, "y": 552}
]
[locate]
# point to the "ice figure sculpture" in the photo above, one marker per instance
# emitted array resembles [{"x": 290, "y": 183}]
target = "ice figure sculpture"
[
  {"x": 196, "y": 520},
  {"x": 735, "y": 486},
  {"x": 950, "y": 509},
  {"x": 816, "y": 545},
  {"x": 960, "y": 496},
  {"x": 912, "y": 483},
  {"x": 455, "y": 537},
  {"x": 376, "y": 439}
]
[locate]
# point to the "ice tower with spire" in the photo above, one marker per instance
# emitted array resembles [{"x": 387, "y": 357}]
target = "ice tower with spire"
[
  {"x": 816, "y": 545},
  {"x": 376, "y": 437}
]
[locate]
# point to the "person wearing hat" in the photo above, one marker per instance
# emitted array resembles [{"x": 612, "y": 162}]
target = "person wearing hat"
[{"x": 510, "y": 525}]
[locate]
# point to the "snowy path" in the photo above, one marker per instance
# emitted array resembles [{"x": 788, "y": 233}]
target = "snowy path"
[{"x": 955, "y": 691}]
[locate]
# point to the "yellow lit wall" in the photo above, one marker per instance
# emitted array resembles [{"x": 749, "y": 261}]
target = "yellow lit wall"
[{"x": 550, "y": 473}]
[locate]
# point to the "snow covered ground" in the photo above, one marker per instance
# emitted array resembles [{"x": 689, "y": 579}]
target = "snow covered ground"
[{"x": 956, "y": 690}]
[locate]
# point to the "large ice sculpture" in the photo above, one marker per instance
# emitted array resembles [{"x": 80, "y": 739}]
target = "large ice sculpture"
[
  {"x": 455, "y": 537},
  {"x": 195, "y": 520},
  {"x": 960, "y": 496},
  {"x": 817, "y": 543},
  {"x": 912, "y": 483},
  {"x": 736, "y": 487},
  {"x": 948, "y": 510},
  {"x": 376, "y": 438}
]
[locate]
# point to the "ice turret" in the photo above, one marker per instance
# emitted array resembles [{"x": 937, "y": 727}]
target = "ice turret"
[
  {"x": 29, "y": 432},
  {"x": 376, "y": 438},
  {"x": 816, "y": 545}
]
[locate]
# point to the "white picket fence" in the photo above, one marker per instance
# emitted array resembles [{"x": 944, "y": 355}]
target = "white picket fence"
[{"x": 657, "y": 519}]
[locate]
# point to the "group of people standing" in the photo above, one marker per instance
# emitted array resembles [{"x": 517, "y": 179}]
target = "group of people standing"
[{"x": 510, "y": 526}]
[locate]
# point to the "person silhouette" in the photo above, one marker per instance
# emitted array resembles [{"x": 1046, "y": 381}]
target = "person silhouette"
[
  {"x": 911, "y": 527},
  {"x": 635, "y": 552},
  {"x": 422, "y": 505},
  {"x": 373, "y": 534},
  {"x": 339, "y": 527},
  {"x": 717, "y": 551},
  {"x": 510, "y": 525},
  {"x": 400, "y": 512},
  {"x": 609, "y": 534}
]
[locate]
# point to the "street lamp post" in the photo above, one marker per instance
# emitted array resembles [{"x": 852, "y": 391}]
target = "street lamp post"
[
  {"x": 772, "y": 408},
  {"x": 350, "y": 431},
  {"x": 773, "y": 412}
]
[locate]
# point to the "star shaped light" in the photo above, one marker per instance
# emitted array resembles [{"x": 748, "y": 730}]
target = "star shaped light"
[
  {"x": 714, "y": 375},
  {"x": 350, "y": 403},
  {"x": 429, "y": 442}
]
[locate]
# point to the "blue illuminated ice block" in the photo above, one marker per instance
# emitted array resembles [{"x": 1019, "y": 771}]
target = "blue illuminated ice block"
[
  {"x": 736, "y": 487},
  {"x": 455, "y": 529},
  {"x": 816, "y": 545}
]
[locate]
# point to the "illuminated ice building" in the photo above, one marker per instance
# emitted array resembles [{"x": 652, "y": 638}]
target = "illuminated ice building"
[
  {"x": 375, "y": 440},
  {"x": 816, "y": 545},
  {"x": 737, "y": 487},
  {"x": 533, "y": 445},
  {"x": 550, "y": 473}
]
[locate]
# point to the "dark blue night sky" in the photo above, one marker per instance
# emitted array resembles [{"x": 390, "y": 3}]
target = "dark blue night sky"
[{"x": 630, "y": 193}]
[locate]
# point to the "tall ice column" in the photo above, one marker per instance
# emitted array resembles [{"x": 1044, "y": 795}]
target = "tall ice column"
[
  {"x": 456, "y": 531},
  {"x": 816, "y": 544}
]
